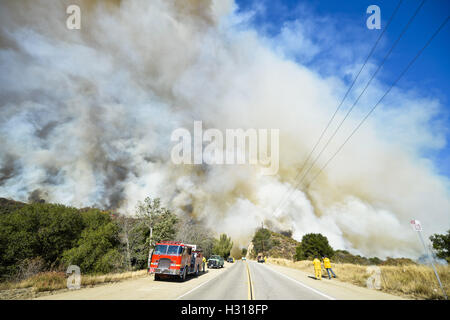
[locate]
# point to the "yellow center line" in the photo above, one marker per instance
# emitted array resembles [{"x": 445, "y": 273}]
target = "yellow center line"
[{"x": 251, "y": 293}]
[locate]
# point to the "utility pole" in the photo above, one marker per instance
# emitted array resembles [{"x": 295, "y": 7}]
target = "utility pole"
[
  {"x": 128, "y": 243},
  {"x": 262, "y": 240},
  {"x": 418, "y": 227},
  {"x": 150, "y": 251}
]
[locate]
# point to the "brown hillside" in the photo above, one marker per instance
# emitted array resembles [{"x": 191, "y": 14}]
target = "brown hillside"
[
  {"x": 7, "y": 205},
  {"x": 283, "y": 246}
]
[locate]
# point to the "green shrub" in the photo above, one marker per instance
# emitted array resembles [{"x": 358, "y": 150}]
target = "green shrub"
[
  {"x": 96, "y": 249},
  {"x": 314, "y": 244},
  {"x": 37, "y": 230},
  {"x": 262, "y": 241}
]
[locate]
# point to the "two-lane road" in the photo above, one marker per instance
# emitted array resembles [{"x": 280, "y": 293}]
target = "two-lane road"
[
  {"x": 231, "y": 284},
  {"x": 251, "y": 280},
  {"x": 269, "y": 284},
  {"x": 243, "y": 280}
]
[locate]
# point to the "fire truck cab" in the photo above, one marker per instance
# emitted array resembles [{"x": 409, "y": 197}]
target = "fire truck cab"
[{"x": 175, "y": 259}]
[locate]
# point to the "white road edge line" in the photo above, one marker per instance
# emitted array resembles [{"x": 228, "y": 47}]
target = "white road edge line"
[
  {"x": 193, "y": 289},
  {"x": 302, "y": 284}
]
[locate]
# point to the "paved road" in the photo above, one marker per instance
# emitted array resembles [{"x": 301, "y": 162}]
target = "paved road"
[
  {"x": 237, "y": 281},
  {"x": 231, "y": 284},
  {"x": 269, "y": 284},
  {"x": 142, "y": 288},
  {"x": 251, "y": 280}
]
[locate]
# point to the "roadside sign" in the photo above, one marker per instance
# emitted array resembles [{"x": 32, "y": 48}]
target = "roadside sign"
[{"x": 415, "y": 224}]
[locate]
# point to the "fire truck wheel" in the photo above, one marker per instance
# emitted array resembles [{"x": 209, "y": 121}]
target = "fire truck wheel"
[{"x": 183, "y": 277}]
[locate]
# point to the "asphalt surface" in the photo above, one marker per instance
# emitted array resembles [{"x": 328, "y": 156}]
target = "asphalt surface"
[
  {"x": 231, "y": 284},
  {"x": 264, "y": 283},
  {"x": 242, "y": 280},
  {"x": 269, "y": 284}
]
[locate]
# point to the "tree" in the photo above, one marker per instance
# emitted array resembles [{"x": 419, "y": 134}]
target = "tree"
[
  {"x": 441, "y": 243},
  {"x": 312, "y": 245},
  {"x": 299, "y": 254},
  {"x": 37, "y": 230},
  {"x": 139, "y": 245},
  {"x": 159, "y": 220},
  {"x": 244, "y": 252},
  {"x": 222, "y": 246},
  {"x": 287, "y": 233},
  {"x": 262, "y": 241},
  {"x": 164, "y": 227},
  {"x": 156, "y": 224},
  {"x": 97, "y": 249},
  {"x": 129, "y": 238},
  {"x": 190, "y": 231},
  {"x": 375, "y": 261}
]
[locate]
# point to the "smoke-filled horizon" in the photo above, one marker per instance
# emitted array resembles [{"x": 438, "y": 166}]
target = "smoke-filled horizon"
[{"x": 86, "y": 118}]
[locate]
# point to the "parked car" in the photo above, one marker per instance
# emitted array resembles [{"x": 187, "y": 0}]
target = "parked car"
[
  {"x": 215, "y": 262},
  {"x": 230, "y": 259},
  {"x": 244, "y": 258}
]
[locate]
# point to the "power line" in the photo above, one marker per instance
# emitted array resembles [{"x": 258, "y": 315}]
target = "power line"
[
  {"x": 365, "y": 88},
  {"x": 340, "y": 104},
  {"x": 360, "y": 95},
  {"x": 384, "y": 95}
]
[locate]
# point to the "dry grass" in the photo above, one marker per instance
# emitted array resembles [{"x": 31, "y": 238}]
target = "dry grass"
[
  {"x": 111, "y": 277},
  {"x": 412, "y": 281},
  {"x": 50, "y": 281}
]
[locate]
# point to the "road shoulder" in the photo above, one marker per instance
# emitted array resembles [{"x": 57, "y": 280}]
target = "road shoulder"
[
  {"x": 334, "y": 288},
  {"x": 144, "y": 288}
]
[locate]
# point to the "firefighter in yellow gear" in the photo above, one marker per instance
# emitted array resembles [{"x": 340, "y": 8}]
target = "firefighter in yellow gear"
[
  {"x": 317, "y": 268},
  {"x": 204, "y": 263},
  {"x": 327, "y": 265}
]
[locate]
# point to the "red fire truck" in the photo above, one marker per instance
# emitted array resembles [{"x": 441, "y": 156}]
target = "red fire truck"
[{"x": 175, "y": 259}]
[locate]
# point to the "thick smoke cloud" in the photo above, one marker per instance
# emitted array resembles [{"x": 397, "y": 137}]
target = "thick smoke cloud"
[{"x": 86, "y": 118}]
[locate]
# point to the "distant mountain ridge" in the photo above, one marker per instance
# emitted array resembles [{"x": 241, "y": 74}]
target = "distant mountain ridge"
[
  {"x": 8, "y": 205},
  {"x": 282, "y": 245}
]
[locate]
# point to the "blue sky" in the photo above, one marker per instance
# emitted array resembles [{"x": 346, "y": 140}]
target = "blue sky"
[{"x": 430, "y": 73}]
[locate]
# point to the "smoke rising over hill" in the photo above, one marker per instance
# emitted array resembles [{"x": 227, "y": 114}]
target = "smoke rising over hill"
[{"x": 86, "y": 118}]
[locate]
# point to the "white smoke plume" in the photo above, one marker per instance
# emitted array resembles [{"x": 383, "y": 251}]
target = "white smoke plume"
[{"x": 86, "y": 117}]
